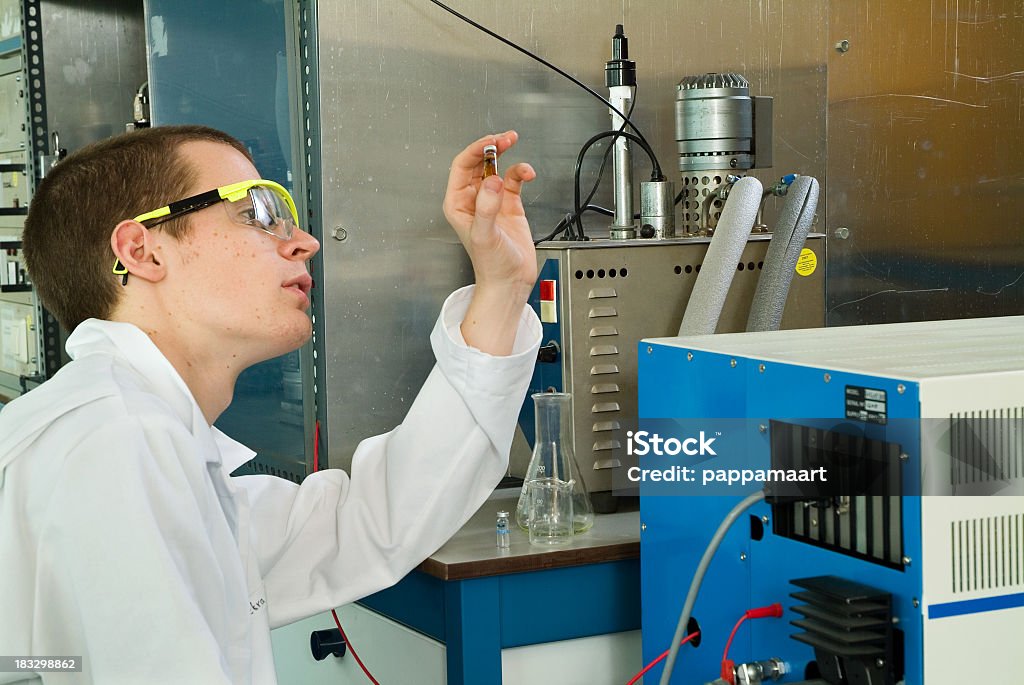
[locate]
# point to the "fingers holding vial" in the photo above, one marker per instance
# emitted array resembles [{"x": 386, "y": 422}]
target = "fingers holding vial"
[{"x": 490, "y": 160}]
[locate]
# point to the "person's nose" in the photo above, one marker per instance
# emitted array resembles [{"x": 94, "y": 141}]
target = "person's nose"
[{"x": 301, "y": 246}]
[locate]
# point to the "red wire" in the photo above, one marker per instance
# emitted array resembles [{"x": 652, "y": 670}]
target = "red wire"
[
  {"x": 727, "y": 673},
  {"x": 316, "y": 448},
  {"x": 770, "y": 611},
  {"x": 351, "y": 648},
  {"x": 664, "y": 654},
  {"x": 316, "y": 467}
]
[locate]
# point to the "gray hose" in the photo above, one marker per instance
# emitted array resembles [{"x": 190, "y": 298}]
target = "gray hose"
[
  {"x": 698, "y": 578},
  {"x": 788, "y": 240},
  {"x": 705, "y": 305}
]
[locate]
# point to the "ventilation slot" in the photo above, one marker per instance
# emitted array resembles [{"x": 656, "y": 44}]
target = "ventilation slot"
[
  {"x": 987, "y": 553},
  {"x": 986, "y": 445}
]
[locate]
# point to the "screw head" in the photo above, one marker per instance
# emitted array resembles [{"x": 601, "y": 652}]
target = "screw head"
[
  {"x": 828, "y": 378},
  {"x": 906, "y": 561},
  {"x": 763, "y": 428},
  {"x": 904, "y": 456},
  {"x": 643, "y": 527},
  {"x": 689, "y": 356},
  {"x": 916, "y": 602},
  {"x": 340, "y": 234},
  {"x": 743, "y": 556},
  {"x": 732, "y": 363},
  {"x": 650, "y": 350},
  {"x": 764, "y": 519},
  {"x": 879, "y": 662},
  {"x": 843, "y": 46},
  {"x": 842, "y": 233},
  {"x": 760, "y": 368},
  {"x": 901, "y": 388}
]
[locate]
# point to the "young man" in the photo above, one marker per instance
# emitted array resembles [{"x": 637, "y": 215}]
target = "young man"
[{"x": 122, "y": 537}]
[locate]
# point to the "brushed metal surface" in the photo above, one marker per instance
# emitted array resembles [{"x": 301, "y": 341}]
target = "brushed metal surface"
[
  {"x": 926, "y": 161},
  {"x": 617, "y": 294},
  {"x": 95, "y": 57},
  {"x": 403, "y": 86}
]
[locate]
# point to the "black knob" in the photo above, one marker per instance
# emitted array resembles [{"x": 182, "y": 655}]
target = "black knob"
[
  {"x": 548, "y": 353},
  {"x": 323, "y": 643},
  {"x": 647, "y": 231}
]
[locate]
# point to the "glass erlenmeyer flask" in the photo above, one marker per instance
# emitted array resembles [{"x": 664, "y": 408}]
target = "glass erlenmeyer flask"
[{"x": 553, "y": 458}]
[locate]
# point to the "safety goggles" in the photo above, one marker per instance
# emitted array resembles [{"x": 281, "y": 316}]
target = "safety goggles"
[{"x": 260, "y": 204}]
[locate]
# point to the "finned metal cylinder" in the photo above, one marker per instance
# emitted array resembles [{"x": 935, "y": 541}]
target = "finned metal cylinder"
[
  {"x": 714, "y": 123},
  {"x": 720, "y": 131},
  {"x": 657, "y": 209}
]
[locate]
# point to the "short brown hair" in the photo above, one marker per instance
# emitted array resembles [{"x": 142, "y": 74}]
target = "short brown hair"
[{"x": 76, "y": 207}]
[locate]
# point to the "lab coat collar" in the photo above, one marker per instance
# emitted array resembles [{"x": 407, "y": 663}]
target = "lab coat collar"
[
  {"x": 233, "y": 453},
  {"x": 129, "y": 343}
]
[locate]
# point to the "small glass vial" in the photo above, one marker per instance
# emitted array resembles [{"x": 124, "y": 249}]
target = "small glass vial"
[
  {"x": 502, "y": 530},
  {"x": 490, "y": 160}
]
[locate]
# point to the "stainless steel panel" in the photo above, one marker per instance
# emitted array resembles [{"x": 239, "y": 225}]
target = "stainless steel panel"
[
  {"x": 926, "y": 161},
  {"x": 613, "y": 295},
  {"x": 403, "y": 86},
  {"x": 95, "y": 59}
]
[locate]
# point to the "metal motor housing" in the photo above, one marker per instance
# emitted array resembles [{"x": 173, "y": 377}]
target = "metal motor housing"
[{"x": 720, "y": 130}]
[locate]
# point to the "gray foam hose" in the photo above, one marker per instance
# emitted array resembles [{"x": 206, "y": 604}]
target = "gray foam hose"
[
  {"x": 788, "y": 240},
  {"x": 698, "y": 577},
  {"x": 716, "y": 273}
]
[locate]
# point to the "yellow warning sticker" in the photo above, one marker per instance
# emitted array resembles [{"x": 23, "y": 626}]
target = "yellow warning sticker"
[{"x": 807, "y": 262}]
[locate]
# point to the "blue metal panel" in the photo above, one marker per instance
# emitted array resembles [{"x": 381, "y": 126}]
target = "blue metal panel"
[
  {"x": 545, "y": 375},
  {"x": 567, "y": 603},
  {"x": 473, "y": 643},
  {"x": 674, "y": 385},
  {"x": 747, "y": 573},
  {"x": 416, "y": 601}
]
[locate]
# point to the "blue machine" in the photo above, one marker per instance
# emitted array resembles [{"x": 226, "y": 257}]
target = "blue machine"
[{"x": 922, "y": 586}]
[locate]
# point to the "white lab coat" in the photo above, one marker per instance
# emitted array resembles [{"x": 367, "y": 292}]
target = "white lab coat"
[{"x": 124, "y": 540}]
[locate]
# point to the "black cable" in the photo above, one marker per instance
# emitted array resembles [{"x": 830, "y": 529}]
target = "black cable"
[
  {"x": 656, "y": 174},
  {"x": 570, "y": 220},
  {"x": 543, "y": 61},
  {"x": 581, "y": 233},
  {"x": 556, "y": 230}
]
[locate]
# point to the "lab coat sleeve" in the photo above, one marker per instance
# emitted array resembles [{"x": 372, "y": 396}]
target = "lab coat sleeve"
[
  {"x": 335, "y": 539},
  {"x": 125, "y": 570}
]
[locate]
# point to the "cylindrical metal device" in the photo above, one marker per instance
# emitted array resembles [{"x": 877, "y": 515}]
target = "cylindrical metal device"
[
  {"x": 714, "y": 123},
  {"x": 657, "y": 209},
  {"x": 620, "y": 77},
  {"x": 715, "y": 136}
]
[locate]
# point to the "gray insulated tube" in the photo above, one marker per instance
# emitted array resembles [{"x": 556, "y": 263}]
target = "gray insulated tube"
[
  {"x": 788, "y": 240},
  {"x": 716, "y": 273}
]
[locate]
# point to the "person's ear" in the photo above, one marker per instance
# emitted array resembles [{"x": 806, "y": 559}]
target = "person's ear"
[{"x": 135, "y": 251}]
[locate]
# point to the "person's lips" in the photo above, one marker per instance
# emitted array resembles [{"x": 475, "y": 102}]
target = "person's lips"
[{"x": 303, "y": 284}]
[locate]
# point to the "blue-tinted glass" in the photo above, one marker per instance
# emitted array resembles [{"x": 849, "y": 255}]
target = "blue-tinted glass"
[{"x": 223, "y": 64}]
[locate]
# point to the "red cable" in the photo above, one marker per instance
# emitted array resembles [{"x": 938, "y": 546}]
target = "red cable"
[
  {"x": 770, "y": 611},
  {"x": 728, "y": 675},
  {"x": 316, "y": 448},
  {"x": 351, "y": 648},
  {"x": 316, "y": 467},
  {"x": 664, "y": 654}
]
